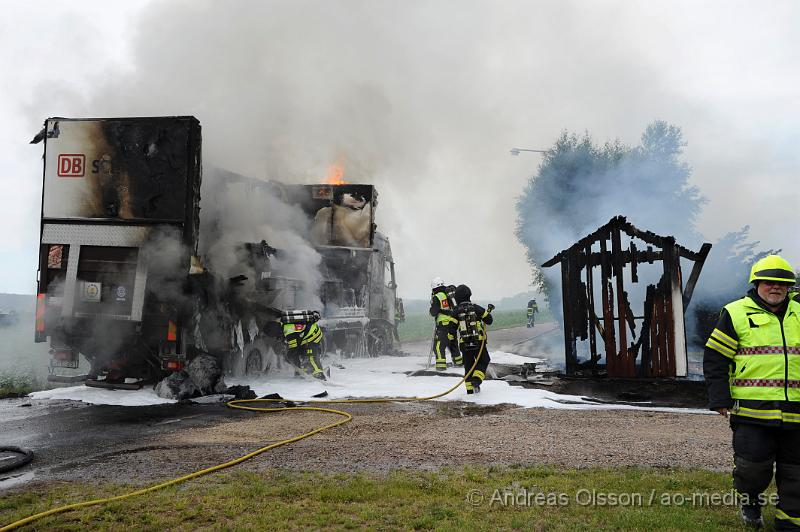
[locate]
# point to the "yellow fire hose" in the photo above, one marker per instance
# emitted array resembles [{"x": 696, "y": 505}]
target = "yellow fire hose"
[{"x": 239, "y": 404}]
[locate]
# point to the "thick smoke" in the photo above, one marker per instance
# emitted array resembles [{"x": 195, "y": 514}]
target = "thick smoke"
[
  {"x": 235, "y": 211},
  {"x": 580, "y": 186}
]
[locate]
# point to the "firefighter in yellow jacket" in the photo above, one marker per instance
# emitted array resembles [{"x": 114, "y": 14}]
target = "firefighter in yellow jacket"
[
  {"x": 303, "y": 339},
  {"x": 446, "y": 325},
  {"x": 472, "y": 322},
  {"x": 752, "y": 368}
]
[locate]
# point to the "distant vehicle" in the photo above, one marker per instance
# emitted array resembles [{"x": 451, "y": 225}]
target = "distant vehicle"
[{"x": 8, "y": 317}]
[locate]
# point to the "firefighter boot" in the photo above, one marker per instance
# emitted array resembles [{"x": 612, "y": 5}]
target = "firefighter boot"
[
  {"x": 751, "y": 479},
  {"x": 751, "y": 515},
  {"x": 476, "y": 385}
]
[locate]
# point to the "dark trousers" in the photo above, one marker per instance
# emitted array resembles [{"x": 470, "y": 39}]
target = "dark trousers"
[
  {"x": 756, "y": 449},
  {"x": 446, "y": 339},
  {"x": 475, "y": 377},
  {"x": 305, "y": 359}
]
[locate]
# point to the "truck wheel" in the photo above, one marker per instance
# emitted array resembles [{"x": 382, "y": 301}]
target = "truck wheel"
[
  {"x": 253, "y": 363},
  {"x": 378, "y": 341},
  {"x": 259, "y": 358}
]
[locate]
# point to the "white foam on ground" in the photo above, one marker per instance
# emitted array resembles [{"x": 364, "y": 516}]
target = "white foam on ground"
[
  {"x": 371, "y": 377},
  {"x": 100, "y": 396}
]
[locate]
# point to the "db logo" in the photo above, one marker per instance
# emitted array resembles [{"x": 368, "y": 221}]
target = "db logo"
[{"x": 71, "y": 165}]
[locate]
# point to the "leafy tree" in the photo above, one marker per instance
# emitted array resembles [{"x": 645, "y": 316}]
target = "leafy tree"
[{"x": 580, "y": 185}]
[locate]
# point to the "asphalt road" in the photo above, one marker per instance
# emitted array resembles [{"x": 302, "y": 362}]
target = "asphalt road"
[
  {"x": 70, "y": 437},
  {"x": 76, "y": 441}
]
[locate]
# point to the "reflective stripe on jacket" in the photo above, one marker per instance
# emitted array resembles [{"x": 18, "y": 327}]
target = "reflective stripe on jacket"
[
  {"x": 766, "y": 354},
  {"x": 299, "y": 334},
  {"x": 444, "y": 303}
]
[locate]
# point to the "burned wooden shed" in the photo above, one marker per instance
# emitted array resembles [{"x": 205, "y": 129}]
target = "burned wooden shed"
[{"x": 660, "y": 338}]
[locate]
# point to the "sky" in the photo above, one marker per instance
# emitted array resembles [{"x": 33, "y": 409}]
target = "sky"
[{"x": 422, "y": 99}]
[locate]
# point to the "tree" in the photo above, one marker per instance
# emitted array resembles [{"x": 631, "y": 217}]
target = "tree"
[{"x": 581, "y": 185}]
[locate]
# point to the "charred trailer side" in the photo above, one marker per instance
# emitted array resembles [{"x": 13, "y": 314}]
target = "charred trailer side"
[{"x": 119, "y": 226}]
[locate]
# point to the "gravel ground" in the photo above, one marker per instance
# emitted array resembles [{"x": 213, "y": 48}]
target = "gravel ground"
[{"x": 426, "y": 436}]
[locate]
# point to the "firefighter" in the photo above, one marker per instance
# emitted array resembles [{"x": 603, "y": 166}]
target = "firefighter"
[
  {"x": 752, "y": 368},
  {"x": 533, "y": 308},
  {"x": 303, "y": 339},
  {"x": 399, "y": 317},
  {"x": 472, "y": 321},
  {"x": 446, "y": 325}
]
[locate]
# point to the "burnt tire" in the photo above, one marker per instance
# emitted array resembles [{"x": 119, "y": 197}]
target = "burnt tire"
[
  {"x": 258, "y": 359},
  {"x": 379, "y": 340},
  {"x": 23, "y": 457},
  {"x": 253, "y": 363}
]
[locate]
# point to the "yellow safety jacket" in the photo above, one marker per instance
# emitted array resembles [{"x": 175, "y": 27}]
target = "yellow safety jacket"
[
  {"x": 444, "y": 303},
  {"x": 766, "y": 359},
  {"x": 301, "y": 334}
]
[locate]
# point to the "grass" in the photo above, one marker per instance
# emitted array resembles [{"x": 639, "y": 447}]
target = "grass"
[
  {"x": 526, "y": 498},
  {"x": 13, "y": 385},
  {"x": 420, "y": 326}
]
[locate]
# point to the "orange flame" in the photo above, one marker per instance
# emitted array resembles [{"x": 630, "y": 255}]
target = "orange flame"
[{"x": 335, "y": 174}]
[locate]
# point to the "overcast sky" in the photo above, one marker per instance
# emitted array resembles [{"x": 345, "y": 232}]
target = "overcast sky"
[{"x": 423, "y": 99}]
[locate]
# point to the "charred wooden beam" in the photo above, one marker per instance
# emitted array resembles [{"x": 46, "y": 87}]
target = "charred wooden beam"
[
  {"x": 570, "y": 347},
  {"x": 590, "y": 305},
  {"x": 634, "y": 263},
  {"x": 622, "y": 223},
  {"x": 698, "y": 265},
  {"x": 608, "y": 312},
  {"x": 624, "y": 369}
]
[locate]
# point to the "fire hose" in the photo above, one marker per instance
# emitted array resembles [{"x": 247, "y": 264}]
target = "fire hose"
[{"x": 241, "y": 404}]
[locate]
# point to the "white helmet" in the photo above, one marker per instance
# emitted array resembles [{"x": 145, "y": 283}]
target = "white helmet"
[{"x": 436, "y": 283}]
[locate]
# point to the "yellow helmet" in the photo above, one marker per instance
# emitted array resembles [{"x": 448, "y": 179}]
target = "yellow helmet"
[{"x": 772, "y": 268}]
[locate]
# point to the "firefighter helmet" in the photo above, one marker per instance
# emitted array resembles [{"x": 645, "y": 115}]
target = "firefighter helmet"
[
  {"x": 437, "y": 282},
  {"x": 772, "y": 268},
  {"x": 462, "y": 293}
]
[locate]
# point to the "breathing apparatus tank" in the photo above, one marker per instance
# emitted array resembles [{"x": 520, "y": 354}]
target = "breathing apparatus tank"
[
  {"x": 299, "y": 316},
  {"x": 470, "y": 325}
]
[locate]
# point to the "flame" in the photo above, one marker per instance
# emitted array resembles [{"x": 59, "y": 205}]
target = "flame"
[{"x": 335, "y": 174}]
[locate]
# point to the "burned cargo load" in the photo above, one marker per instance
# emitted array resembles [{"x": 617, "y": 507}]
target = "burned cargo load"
[
  {"x": 587, "y": 270},
  {"x": 359, "y": 286},
  {"x": 119, "y": 224},
  {"x": 328, "y": 257}
]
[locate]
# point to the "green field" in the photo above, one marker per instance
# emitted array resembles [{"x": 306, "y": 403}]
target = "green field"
[
  {"x": 532, "y": 498},
  {"x": 420, "y": 326}
]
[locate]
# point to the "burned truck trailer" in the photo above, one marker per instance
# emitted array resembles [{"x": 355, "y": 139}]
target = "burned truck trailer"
[
  {"x": 121, "y": 275},
  {"x": 119, "y": 225}
]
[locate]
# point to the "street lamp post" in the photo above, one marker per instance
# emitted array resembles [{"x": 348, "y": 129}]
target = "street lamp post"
[{"x": 515, "y": 151}]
